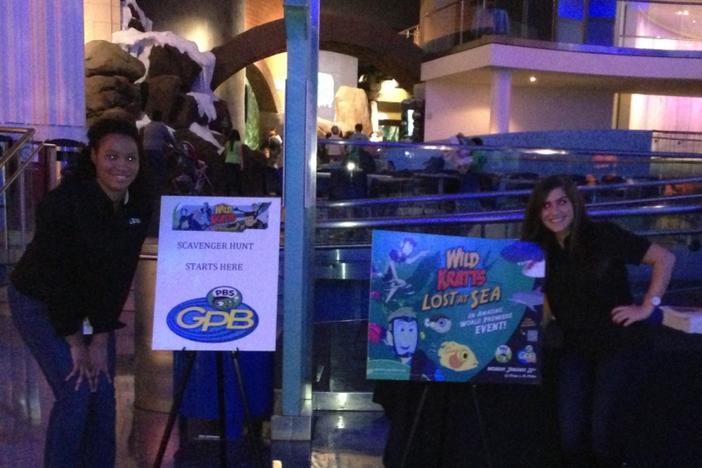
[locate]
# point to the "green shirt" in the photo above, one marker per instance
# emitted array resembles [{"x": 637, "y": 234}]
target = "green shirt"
[{"x": 233, "y": 155}]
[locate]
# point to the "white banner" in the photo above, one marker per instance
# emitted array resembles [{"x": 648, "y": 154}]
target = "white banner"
[{"x": 217, "y": 274}]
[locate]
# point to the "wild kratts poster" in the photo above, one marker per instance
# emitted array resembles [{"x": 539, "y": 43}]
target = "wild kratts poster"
[{"x": 454, "y": 309}]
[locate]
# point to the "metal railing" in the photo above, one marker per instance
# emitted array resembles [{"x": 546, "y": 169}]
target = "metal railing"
[
  {"x": 676, "y": 142},
  {"x": 651, "y": 208},
  {"x": 14, "y": 165}
]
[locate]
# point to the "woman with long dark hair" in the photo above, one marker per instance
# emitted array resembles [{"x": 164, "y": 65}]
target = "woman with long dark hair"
[
  {"x": 588, "y": 294},
  {"x": 69, "y": 287}
]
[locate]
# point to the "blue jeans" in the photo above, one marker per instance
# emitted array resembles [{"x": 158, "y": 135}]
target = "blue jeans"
[
  {"x": 81, "y": 430},
  {"x": 596, "y": 400}
]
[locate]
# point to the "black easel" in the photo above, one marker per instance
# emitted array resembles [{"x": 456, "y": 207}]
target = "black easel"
[
  {"x": 178, "y": 400},
  {"x": 252, "y": 435},
  {"x": 418, "y": 416},
  {"x": 481, "y": 424}
]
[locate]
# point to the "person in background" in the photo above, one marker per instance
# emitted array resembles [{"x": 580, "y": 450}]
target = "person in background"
[
  {"x": 358, "y": 133},
  {"x": 271, "y": 178},
  {"x": 335, "y": 152},
  {"x": 354, "y": 151},
  {"x": 233, "y": 163},
  {"x": 155, "y": 137},
  {"x": 68, "y": 289},
  {"x": 275, "y": 146},
  {"x": 587, "y": 293}
]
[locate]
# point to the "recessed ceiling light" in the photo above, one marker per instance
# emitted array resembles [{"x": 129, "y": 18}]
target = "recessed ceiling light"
[{"x": 532, "y": 79}]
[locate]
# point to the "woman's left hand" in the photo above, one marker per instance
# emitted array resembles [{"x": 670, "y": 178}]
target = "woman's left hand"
[
  {"x": 98, "y": 359},
  {"x": 628, "y": 314}
]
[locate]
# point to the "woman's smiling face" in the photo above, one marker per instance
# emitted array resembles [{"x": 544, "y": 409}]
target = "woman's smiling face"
[
  {"x": 557, "y": 213},
  {"x": 116, "y": 164}
]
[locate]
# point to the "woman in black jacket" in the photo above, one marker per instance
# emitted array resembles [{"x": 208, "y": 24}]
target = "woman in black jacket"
[{"x": 69, "y": 287}]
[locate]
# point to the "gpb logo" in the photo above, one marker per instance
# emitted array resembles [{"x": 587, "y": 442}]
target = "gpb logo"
[{"x": 219, "y": 317}]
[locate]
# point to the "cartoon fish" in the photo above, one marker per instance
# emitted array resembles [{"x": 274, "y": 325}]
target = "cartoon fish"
[
  {"x": 527, "y": 255},
  {"x": 530, "y": 299},
  {"x": 438, "y": 323},
  {"x": 457, "y": 356}
]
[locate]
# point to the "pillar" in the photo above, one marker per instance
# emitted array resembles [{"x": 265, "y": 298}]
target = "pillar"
[
  {"x": 42, "y": 57},
  {"x": 500, "y": 100},
  {"x": 302, "y": 30}
]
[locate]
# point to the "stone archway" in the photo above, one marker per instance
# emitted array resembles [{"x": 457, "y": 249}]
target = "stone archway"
[
  {"x": 371, "y": 42},
  {"x": 260, "y": 88}
]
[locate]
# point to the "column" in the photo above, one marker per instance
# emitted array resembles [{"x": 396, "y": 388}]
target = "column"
[
  {"x": 42, "y": 56},
  {"x": 302, "y": 29},
  {"x": 500, "y": 100}
]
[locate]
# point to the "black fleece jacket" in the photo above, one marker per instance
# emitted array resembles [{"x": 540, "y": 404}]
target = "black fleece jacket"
[{"x": 83, "y": 256}]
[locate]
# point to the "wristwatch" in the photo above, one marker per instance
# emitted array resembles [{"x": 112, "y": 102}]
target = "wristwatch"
[{"x": 655, "y": 301}]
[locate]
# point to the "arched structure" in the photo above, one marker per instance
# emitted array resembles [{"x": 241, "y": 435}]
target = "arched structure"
[
  {"x": 259, "y": 85},
  {"x": 370, "y": 42}
]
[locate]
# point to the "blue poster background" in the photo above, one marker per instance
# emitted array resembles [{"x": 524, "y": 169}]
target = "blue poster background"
[{"x": 454, "y": 309}]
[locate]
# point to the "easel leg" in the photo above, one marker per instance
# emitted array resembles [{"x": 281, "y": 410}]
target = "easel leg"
[
  {"x": 247, "y": 417},
  {"x": 415, "y": 424},
  {"x": 177, "y": 401},
  {"x": 222, "y": 411},
  {"x": 481, "y": 425}
]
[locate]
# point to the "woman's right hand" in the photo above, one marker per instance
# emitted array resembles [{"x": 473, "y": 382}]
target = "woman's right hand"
[{"x": 82, "y": 367}]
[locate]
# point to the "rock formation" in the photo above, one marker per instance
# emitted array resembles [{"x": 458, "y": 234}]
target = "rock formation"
[
  {"x": 109, "y": 84},
  {"x": 163, "y": 78}
]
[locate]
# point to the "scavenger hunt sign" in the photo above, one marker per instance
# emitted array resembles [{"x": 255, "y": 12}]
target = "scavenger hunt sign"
[
  {"x": 217, "y": 274},
  {"x": 454, "y": 309}
]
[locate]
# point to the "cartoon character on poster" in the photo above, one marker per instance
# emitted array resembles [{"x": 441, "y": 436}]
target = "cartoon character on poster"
[
  {"x": 221, "y": 217},
  {"x": 452, "y": 308}
]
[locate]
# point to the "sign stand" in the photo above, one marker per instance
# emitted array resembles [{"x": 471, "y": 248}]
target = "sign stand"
[
  {"x": 481, "y": 424},
  {"x": 418, "y": 416},
  {"x": 178, "y": 400}
]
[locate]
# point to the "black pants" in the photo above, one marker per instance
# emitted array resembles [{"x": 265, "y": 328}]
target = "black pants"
[{"x": 232, "y": 173}]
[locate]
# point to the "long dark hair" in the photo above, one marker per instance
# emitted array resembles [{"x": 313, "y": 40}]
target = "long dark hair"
[
  {"x": 533, "y": 229},
  {"x": 84, "y": 166}
]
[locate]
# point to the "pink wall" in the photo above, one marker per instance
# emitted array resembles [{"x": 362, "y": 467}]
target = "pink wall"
[{"x": 41, "y": 52}]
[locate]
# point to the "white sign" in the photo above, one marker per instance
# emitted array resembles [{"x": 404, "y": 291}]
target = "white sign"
[{"x": 217, "y": 274}]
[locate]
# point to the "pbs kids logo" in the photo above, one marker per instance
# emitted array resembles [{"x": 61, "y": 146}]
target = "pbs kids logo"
[{"x": 218, "y": 317}]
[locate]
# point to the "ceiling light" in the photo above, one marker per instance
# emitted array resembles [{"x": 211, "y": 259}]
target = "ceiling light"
[{"x": 532, "y": 79}]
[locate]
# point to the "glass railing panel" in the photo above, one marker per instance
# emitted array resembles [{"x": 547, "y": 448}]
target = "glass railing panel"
[
  {"x": 22, "y": 186},
  {"x": 660, "y": 25},
  {"x": 454, "y": 23},
  {"x": 676, "y": 142},
  {"x": 439, "y": 182}
]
